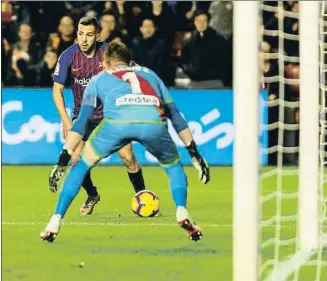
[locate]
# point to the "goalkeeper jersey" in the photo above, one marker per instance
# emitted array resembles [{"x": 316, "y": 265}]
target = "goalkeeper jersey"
[{"x": 129, "y": 95}]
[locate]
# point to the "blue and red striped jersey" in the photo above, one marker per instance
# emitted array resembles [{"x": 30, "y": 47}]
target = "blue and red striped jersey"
[{"x": 82, "y": 70}]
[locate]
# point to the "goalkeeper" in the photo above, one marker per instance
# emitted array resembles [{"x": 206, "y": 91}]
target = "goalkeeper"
[{"x": 135, "y": 106}]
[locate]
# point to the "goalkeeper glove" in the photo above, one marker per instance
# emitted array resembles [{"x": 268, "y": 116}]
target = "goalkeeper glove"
[
  {"x": 199, "y": 163},
  {"x": 59, "y": 170}
]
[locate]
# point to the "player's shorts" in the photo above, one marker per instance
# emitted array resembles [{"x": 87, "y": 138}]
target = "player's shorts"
[
  {"x": 110, "y": 136},
  {"x": 91, "y": 125}
]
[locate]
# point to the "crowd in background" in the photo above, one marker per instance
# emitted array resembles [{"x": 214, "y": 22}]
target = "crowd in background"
[
  {"x": 188, "y": 43},
  {"x": 272, "y": 21},
  {"x": 185, "y": 42},
  {"x": 180, "y": 40}
]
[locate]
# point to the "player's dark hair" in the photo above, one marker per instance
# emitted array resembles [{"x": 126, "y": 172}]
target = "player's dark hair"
[
  {"x": 118, "y": 51},
  {"x": 89, "y": 21}
]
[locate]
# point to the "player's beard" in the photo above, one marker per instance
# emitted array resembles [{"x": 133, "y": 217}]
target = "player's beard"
[{"x": 89, "y": 50}]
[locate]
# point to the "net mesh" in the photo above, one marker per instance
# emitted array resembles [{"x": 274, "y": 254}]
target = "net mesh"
[{"x": 281, "y": 258}]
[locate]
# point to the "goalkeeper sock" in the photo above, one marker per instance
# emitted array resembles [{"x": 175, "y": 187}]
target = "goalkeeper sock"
[
  {"x": 87, "y": 184},
  {"x": 71, "y": 186},
  {"x": 137, "y": 180},
  {"x": 178, "y": 184}
]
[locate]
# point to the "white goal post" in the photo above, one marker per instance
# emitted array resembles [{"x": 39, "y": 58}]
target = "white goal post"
[
  {"x": 246, "y": 147},
  {"x": 246, "y": 184},
  {"x": 309, "y": 125}
]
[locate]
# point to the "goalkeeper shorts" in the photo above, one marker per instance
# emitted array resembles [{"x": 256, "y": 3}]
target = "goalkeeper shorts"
[{"x": 111, "y": 136}]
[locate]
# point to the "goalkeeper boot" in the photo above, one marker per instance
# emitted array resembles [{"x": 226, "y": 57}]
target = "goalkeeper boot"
[
  {"x": 52, "y": 229},
  {"x": 89, "y": 204},
  {"x": 184, "y": 220}
]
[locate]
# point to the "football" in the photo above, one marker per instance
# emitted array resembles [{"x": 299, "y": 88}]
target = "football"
[{"x": 145, "y": 203}]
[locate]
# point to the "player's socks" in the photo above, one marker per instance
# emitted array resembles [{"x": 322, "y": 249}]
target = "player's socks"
[
  {"x": 52, "y": 229},
  {"x": 137, "y": 180},
  {"x": 181, "y": 213},
  {"x": 87, "y": 184},
  {"x": 178, "y": 184},
  {"x": 71, "y": 186}
]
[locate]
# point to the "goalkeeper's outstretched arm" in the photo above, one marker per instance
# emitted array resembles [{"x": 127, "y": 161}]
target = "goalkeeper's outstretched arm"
[
  {"x": 183, "y": 131},
  {"x": 74, "y": 136},
  {"x": 185, "y": 134},
  {"x": 78, "y": 129}
]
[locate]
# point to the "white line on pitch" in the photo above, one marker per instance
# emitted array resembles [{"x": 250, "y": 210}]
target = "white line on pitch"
[
  {"x": 109, "y": 224},
  {"x": 121, "y": 224}
]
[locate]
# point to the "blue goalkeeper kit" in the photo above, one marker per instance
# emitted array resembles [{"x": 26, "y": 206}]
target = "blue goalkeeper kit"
[{"x": 136, "y": 105}]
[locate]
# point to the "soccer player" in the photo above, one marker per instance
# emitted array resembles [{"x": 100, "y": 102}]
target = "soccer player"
[
  {"x": 85, "y": 60},
  {"x": 136, "y": 105}
]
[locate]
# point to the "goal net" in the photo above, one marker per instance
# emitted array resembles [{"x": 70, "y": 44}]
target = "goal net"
[{"x": 292, "y": 190}]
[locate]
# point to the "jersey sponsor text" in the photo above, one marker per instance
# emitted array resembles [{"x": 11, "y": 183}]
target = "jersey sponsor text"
[{"x": 135, "y": 99}]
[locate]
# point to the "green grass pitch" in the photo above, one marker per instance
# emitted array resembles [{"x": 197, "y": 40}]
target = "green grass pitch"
[
  {"x": 113, "y": 243},
  {"x": 116, "y": 245}
]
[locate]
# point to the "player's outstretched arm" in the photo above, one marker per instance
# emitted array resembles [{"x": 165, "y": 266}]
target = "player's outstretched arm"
[
  {"x": 59, "y": 101},
  {"x": 59, "y": 77}
]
